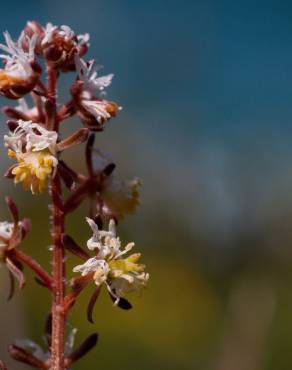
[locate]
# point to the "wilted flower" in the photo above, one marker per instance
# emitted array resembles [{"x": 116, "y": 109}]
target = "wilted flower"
[
  {"x": 94, "y": 112},
  {"x": 110, "y": 197},
  {"x": 21, "y": 72},
  {"x": 120, "y": 275},
  {"x": 120, "y": 197},
  {"x": 34, "y": 148}
]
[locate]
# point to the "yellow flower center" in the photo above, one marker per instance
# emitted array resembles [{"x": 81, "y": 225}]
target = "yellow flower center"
[
  {"x": 124, "y": 266},
  {"x": 7, "y": 80},
  {"x": 33, "y": 169}
]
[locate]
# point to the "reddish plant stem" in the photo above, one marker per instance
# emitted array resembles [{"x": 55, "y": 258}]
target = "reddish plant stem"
[
  {"x": 33, "y": 265},
  {"x": 58, "y": 264},
  {"x": 58, "y": 316},
  {"x": 38, "y": 104}
]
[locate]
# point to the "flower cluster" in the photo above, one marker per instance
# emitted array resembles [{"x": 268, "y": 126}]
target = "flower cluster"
[
  {"x": 58, "y": 45},
  {"x": 36, "y": 145},
  {"x": 120, "y": 275},
  {"x": 93, "y": 111},
  {"x": 34, "y": 148}
]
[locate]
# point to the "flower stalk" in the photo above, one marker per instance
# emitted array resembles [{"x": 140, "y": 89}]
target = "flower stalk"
[
  {"x": 35, "y": 144},
  {"x": 58, "y": 273}
]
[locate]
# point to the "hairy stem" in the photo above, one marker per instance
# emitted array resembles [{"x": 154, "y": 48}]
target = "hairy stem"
[
  {"x": 58, "y": 316},
  {"x": 58, "y": 264}
]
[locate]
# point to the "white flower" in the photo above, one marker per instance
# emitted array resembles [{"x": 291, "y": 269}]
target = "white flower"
[
  {"x": 18, "y": 68},
  {"x": 35, "y": 150},
  {"x": 63, "y": 32},
  {"x": 49, "y": 32},
  {"x": 120, "y": 275},
  {"x": 95, "y": 242},
  {"x": 83, "y": 39},
  {"x": 35, "y": 137},
  {"x": 88, "y": 76},
  {"x": 93, "y": 111},
  {"x": 98, "y": 108},
  {"x": 99, "y": 267},
  {"x": 24, "y": 108},
  {"x": 129, "y": 282}
]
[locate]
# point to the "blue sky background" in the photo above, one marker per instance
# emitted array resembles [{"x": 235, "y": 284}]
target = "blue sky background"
[{"x": 206, "y": 89}]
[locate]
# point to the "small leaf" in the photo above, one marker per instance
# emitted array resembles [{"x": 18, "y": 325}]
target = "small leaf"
[
  {"x": 16, "y": 271},
  {"x": 48, "y": 330},
  {"x": 88, "y": 153},
  {"x": 91, "y": 304},
  {"x": 76, "y": 198},
  {"x": 11, "y": 286},
  {"x": 14, "y": 113},
  {"x": 13, "y": 209},
  {"x": 2, "y": 366},
  {"x": 107, "y": 171},
  {"x": 70, "y": 244},
  {"x": 77, "y": 138},
  {"x": 40, "y": 282},
  {"x": 21, "y": 355},
  {"x": 50, "y": 113},
  {"x": 12, "y": 125},
  {"x": 8, "y": 174},
  {"x": 121, "y": 302},
  {"x": 25, "y": 227},
  {"x": 82, "y": 349},
  {"x": 67, "y": 175},
  {"x": 79, "y": 283}
]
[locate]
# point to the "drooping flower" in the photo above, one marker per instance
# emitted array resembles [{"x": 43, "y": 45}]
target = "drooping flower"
[
  {"x": 21, "y": 71},
  {"x": 120, "y": 274},
  {"x": 35, "y": 149},
  {"x": 92, "y": 110}
]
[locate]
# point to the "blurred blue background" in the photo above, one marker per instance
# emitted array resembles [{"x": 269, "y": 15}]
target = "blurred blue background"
[{"x": 206, "y": 123}]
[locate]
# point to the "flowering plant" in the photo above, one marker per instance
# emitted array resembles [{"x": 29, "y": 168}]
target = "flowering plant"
[{"x": 35, "y": 145}]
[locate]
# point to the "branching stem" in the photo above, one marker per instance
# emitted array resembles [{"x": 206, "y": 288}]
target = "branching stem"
[{"x": 35, "y": 266}]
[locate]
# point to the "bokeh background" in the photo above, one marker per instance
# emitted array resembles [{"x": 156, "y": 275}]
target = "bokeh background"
[{"x": 206, "y": 88}]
